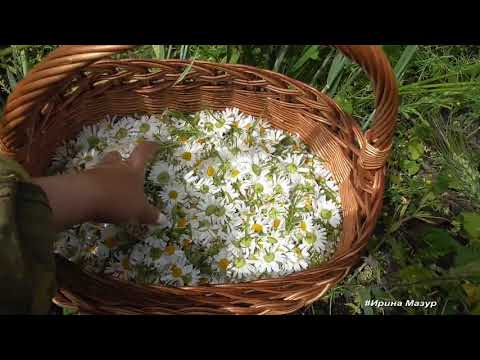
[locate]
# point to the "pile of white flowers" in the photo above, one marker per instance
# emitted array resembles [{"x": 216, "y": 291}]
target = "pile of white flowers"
[{"x": 244, "y": 201}]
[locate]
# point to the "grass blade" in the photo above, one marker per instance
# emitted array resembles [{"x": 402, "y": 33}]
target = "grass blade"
[
  {"x": 280, "y": 57},
  {"x": 159, "y": 51},
  {"x": 334, "y": 74},
  {"x": 169, "y": 51},
  {"x": 235, "y": 56},
  {"x": 324, "y": 64},
  {"x": 405, "y": 58},
  {"x": 186, "y": 71},
  {"x": 11, "y": 80}
]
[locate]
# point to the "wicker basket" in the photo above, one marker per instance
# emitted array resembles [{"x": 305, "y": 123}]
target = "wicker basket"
[{"x": 76, "y": 84}]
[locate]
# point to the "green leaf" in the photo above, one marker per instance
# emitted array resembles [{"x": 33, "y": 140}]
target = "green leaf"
[
  {"x": 441, "y": 184},
  {"x": 344, "y": 103},
  {"x": 411, "y": 167},
  {"x": 308, "y": 54},
  {"x": 364, "y": 295},
  {"x": 467, "y": 254},
  {"x": 471, "y": 225},
  {"x": 469, "y": 271},
  {"x": 413, "y": 273},
  {"x": 415, "y": 149},
  {"x": 438, "y": 242}
]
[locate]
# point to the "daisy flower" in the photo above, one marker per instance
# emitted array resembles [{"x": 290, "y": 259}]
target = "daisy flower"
[
  {"x": 138, "y": 254},
  {"x": 280, "y": 184},
  {"x": 238, "y": 168},
  {"x": 173, "y": 194},
  {"x": 269, "y": 261},
  {"x": 306, "y": 223},
  {"x": 222, "y": 261},
  {"x": 259, "y": 225},
  {"x": 205, "y": 186},
  {"x": 327, "y": 210},
  {"x": 241, "y": 268},
  {"x": 119, "y": 267},
  {"x": 188, "y": 154},
  {"x": 209, "y": 167},
  {"x": 316, "y": 239},
  {"x": 162, "y": 173}
]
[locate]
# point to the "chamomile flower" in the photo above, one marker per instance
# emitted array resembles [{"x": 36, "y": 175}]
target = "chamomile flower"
[
  {"x": 173, "y": 194},
  {"x": 222, "y": 261},
  {"x": 280, "y": 185},
  {"x": 227, "y": 191},
  {"x": 209, "y": 167},
  {"x": 162, "y": 173},
  {"x": 306, "y": 223},
  {"x": 146, "y": 128},
  {"x": 119, "y": 266},
  {"x": 241, "y": 268},
  {"x": 189, "y": 153},
  {"x": 238, "y": 167},
  {"x": 269, "y": 261},
  {"x": 327, "y": 210},
  {"x": 259, "y": 225},
  {"x": 205, "y": 186}
]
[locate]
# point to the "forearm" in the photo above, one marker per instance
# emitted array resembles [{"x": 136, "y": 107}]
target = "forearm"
[{"x": 71, "y": 197}]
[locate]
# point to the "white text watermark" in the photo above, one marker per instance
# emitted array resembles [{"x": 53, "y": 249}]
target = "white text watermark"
[{"x": 411, "y": 303}]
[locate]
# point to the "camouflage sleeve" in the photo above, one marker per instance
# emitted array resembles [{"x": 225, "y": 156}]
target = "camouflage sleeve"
[{"x": 27, "y": 267}]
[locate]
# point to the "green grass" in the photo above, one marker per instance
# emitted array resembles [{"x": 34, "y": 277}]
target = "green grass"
[{"x": 426, "y": 245}]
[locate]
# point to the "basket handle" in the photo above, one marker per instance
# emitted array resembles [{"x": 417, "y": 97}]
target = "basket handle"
[{"x": 67, "y": 60}]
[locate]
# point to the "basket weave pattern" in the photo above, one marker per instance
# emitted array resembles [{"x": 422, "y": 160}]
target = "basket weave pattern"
[{"x": 77, "y": 85}]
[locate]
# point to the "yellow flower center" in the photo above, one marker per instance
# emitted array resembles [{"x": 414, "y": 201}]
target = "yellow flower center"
[
  {"x": 198, "y": 163},
  {"x": 235, "y": 172},
  {"x": 187, "y": 242},
  {"x": 211, "y": 171},
  {"x": 247, "y": 126},
  {"x": 182, "y": 222},
  {"x": 276, "y": 223},
  {"x": 173, "y": 195},
  {"x": 223, "y": 264},
  {"x": 258, "y": 228},
  {"x": 170, "y": 250},
  {"x": 111, "y": 242},
  {"x": 176, "y": 271},
  {"x": 308, "y": 204},
  {"x": 262, "y": 131},
  {"x": 187, "y": 156},
  {"x": 201, "y": 141},
  {"x": 235, "y": 124},
  {"x": 303, "y": 226},
  {"x": 298, "y": 252}
]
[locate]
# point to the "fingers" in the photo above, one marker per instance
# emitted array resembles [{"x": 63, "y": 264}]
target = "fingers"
[
  {"x": 152, "y": 215},
  {"x": 111, "y": 157},
  {"x": 142, "y": 154}
]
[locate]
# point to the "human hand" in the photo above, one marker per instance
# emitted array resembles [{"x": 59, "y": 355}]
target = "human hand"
[{"x": 112, "y": 192}]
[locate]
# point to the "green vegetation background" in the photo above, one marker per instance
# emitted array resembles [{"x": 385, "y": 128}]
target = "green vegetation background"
[{"x": 426, "y": 244}]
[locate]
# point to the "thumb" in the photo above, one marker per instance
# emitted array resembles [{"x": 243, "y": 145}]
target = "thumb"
[{"x": 152, "y": 215}]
